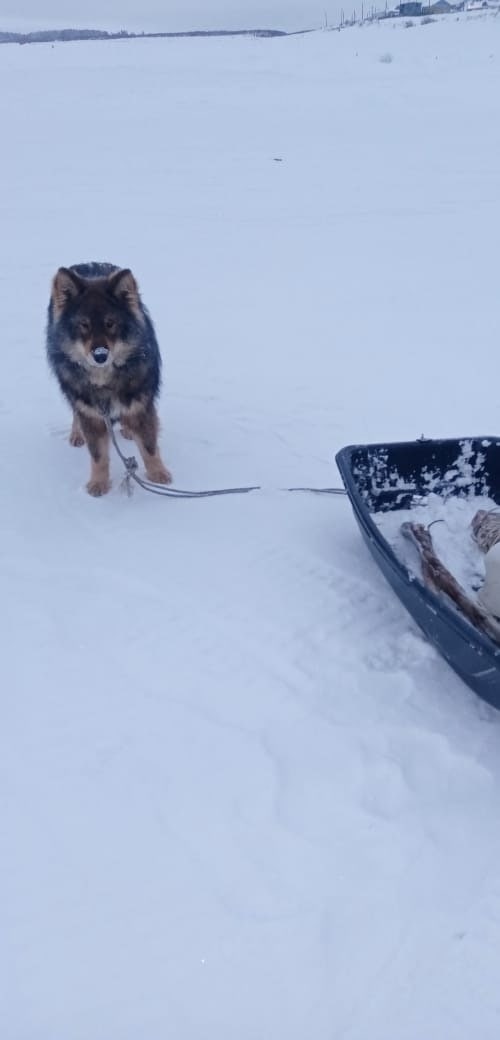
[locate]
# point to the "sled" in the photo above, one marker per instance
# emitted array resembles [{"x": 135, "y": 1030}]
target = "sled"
[{"x": 395, "y": 477}]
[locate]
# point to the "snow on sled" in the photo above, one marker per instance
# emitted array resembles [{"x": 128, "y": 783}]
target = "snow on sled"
[{"x": 429, "y": 511}]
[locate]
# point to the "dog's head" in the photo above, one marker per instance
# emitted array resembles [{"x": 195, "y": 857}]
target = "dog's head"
[{"x": 100, "y": 316}]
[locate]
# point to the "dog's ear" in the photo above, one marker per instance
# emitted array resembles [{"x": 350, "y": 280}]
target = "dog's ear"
[
  {"x": 124, "y": 288},
  {"x": 65, "y": 287}
]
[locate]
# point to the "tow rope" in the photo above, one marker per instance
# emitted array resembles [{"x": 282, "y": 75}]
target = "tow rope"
[{"x": 131, "y": 467}]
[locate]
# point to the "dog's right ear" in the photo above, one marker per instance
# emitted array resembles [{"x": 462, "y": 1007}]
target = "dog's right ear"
[{"x": 65, "y": 287}]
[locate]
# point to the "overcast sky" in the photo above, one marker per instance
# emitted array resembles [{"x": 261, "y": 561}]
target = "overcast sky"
[{"x": 168, "y": 15}]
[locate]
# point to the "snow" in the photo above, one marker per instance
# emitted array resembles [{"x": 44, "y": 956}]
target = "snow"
[{"x": 241, "y": 795}]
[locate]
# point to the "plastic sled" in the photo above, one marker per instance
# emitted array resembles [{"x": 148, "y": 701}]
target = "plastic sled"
[{"x": 393, "y": 476}]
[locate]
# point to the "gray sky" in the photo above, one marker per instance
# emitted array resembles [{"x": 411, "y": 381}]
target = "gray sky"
[{"x": 169, "y": 15}]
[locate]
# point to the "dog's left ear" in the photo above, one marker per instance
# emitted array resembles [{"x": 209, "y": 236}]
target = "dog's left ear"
[{"x": 123, "y": 286}]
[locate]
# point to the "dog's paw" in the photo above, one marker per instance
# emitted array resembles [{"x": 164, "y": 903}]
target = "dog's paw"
[
  {"x": 125, "y": 432},
  {"x": 159, "y": 474},
  {"x": 96, "y": 488},
  {"x": 76, "y": 439}
]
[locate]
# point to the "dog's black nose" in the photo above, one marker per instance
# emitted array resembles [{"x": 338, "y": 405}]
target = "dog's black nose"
[{"x": 100, "y": 355}]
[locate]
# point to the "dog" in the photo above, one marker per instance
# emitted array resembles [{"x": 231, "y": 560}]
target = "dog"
[{"x": 102, "y": 348}]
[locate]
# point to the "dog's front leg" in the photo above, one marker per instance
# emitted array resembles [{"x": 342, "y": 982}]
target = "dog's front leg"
[
  {"x": 143, "y": 425},
  {"x": 76, "y": 437},
  {"x": 97, "y": 438}
]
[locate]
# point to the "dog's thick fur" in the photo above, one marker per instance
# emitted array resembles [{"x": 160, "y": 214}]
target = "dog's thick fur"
[{"x": 96, "y": 312}]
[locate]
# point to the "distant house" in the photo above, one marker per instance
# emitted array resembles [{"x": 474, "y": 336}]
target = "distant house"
[
  {"x": 410, "y": 10},
  {"x": 476, "y": 5},
  {"x": 441, "y": 7}
]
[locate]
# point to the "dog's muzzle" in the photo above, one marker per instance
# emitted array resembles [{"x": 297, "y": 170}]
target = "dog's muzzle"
[{"x": 100, "y": 355}]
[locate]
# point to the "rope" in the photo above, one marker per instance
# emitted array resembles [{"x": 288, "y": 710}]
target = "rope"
[{"x": 131, "y": 466}]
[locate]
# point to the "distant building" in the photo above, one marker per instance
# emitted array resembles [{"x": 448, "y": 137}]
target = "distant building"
[
  {"x": 441, "y": 7},
  {"x": 410, "y": 10}
]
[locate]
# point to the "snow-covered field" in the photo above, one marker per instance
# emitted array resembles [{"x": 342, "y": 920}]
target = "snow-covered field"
[{"x": 240, "y": 796}]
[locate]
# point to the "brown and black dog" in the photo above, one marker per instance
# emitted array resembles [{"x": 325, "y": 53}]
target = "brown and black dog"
[{"x": 102, "y": 348}]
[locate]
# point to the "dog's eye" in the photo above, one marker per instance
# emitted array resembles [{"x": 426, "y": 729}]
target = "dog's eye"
[
  {"x": 109, "y": 324},
  {"x": 84, "y": 326}
]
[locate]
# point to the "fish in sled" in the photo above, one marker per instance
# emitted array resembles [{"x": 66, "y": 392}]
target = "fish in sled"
[{"x": 429, "y": 512}]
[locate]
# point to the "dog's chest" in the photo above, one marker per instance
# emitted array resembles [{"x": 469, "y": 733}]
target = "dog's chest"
[
  {"x": 115, "y": 409},
  {"x": 106, "y": 402},
  {"x": 106, "y": 390}
]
